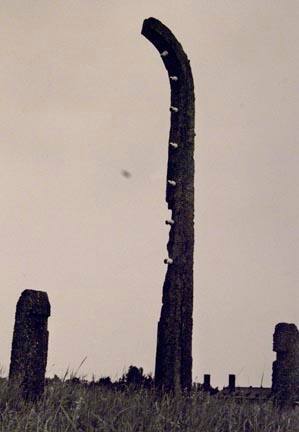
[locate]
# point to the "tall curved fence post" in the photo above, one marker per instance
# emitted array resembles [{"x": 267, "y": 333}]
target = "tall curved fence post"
[
  {"x": 173, "y": 370},
  {"x": 30, "y": 343}
]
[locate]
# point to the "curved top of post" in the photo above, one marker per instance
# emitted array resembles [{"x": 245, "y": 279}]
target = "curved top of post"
[
  {"x": 182, "y": 111},
  {"x": 164, "y": 40}
]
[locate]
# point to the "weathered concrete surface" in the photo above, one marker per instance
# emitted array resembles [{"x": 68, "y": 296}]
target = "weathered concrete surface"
[
  {"x": 285, "y": 371},
  {"x": 30, "y": 343},
  {"x": 174, "y": 343}
]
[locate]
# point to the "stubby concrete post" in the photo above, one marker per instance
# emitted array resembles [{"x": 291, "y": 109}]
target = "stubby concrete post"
[
  {"x": 174, "y": 343},
  {"x": 285, "y": 372},
  {"x": 30, "y": 343},
  {"x": 232, "y": 382},
  {"x": 207, "y": 382}
]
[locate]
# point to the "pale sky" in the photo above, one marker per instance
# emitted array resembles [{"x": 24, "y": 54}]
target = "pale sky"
[{"x": 83, "y": 96}]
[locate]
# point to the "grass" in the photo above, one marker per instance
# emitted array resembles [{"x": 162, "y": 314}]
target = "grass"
[{"x": 76, "y": 406}]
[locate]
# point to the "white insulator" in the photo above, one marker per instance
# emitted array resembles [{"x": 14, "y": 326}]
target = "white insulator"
[
  {"x": 168, "y": 261},
  {"x": 174, "y": 109},
  {"x": 173, "y": 144},
  {"x": 169, "y": 222},
  {"x": 164, "y": 53},
  {"x": 171, "y": 182},
  {"x": 173, "y": 78}
]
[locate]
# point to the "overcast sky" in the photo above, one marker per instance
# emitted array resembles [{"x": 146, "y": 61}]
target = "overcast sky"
[{"x": 84, "y": 96}]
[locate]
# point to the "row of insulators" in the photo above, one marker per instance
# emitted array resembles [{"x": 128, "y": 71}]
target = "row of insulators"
[
  {"x": 174, "y": 145},
  {"x": 172, "y": 182},
  {"x": 172, "y": 78}
]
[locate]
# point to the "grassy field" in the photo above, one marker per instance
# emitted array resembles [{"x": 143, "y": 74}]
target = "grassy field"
[{"x": 77, "y": 406}]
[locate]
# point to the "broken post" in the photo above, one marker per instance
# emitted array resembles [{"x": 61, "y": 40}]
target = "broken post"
[
  {"x": 206, "y": 382},
  {"x": 174, "y": 343},
  {"x": 30, "y": 343},
  {"x": 285, "y": 371}
]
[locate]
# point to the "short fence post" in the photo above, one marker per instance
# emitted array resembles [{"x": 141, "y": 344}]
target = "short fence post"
[
  {"x": 30, "y": 343},
  {"x": 232, "y": 382},
  {"x": 206, "y": 382},
  {"x": 285, "y": 372}
]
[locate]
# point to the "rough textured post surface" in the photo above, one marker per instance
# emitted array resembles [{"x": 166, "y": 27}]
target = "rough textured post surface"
[
  {"x": 30, "y": 343},
  {"x": 174, "y": 343},
  {"x": 285, "y": 372}
]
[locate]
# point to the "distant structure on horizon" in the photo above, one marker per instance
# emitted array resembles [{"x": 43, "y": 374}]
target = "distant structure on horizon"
[
  {"x": 174, "y": 342},
  {"x": 285, "y": 372}
]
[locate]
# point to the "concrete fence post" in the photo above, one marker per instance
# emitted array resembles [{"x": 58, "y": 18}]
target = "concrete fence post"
[
  {"x": 207, "y": 382},
  {"x": 173, "y": 369},
  {"x": 30, "y": 343},
  {"x": 285, "y": 370},
  {"x": 232, "y": 382}
]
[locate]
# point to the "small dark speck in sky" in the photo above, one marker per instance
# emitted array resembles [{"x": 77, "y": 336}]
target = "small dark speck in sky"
[{"x": 126, "y": 173}]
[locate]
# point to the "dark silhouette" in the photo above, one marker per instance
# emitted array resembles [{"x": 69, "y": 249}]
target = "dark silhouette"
[
  {"x": 285, "y": 371},
  {"x": 134, "y": 375},
  {"x": 30, "y": 343},
  {"x": 206, "y": 382},
  {"x": 232, "y": 382},
  {"x": 174, "y": 342}
]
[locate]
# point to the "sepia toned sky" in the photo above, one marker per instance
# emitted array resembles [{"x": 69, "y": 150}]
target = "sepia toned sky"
[{"x": 85, "y": 96}]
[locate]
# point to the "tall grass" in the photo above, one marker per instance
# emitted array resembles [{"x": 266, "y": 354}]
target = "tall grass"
[{"x": 77, "y": 406}]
